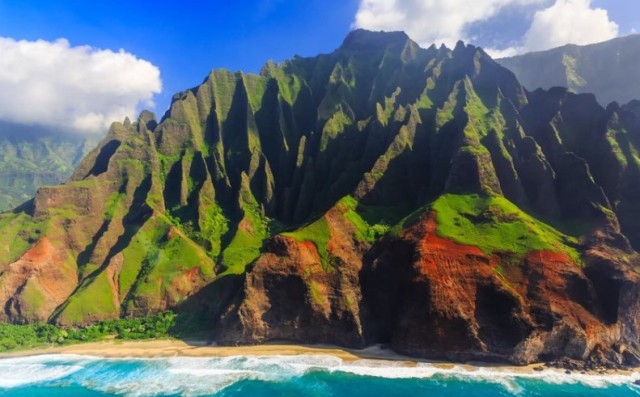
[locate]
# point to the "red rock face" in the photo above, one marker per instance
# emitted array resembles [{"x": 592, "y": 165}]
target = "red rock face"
[
  {"x": 43, "y": 276},
  {"x": 431, "y": 297},
  {"x": 289, "y": 295},
  {"x": 451, "y": 298},
  {"x": 215, "y": 156},
  {"x": 454, "y": 301}
]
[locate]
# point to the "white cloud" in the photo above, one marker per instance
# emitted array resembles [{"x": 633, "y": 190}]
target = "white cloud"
[
  {"x": 447, "y": 21},
  {"x": 497, "y": 53},
  {"x": 569, "y": 21},
  {"x": 82, "y": 88},
  {"x": 430, "y": 21}
]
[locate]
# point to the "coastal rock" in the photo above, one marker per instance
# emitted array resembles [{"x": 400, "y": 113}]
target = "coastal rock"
[
  {"x": 456, "y": 302},
  {"x": 36, "y": 284},
  {"x": 382, "y": 193},
  {"x": 293, "y": 293}
]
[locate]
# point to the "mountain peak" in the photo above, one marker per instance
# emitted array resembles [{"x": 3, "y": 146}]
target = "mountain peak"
[
  {"x": 363, "y": 40},
  {"x": 316, "y": 186}
]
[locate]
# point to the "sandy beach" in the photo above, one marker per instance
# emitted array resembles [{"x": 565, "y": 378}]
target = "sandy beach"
[
  {"x": 175, "y": 367},
  {"x": 179, "y": 348},
  {"x": 173, "y": 347},
  {"x": 159, "y": 348}
]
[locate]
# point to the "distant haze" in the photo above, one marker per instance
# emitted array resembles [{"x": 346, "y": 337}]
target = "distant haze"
[{"x": 610, "y": 69}]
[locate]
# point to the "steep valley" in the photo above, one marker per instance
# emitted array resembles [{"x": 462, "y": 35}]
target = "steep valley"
[{"x": 382, "y": 193}]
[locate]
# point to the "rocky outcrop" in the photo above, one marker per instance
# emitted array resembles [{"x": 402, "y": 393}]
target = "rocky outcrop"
[
  {"x": 382, "y": 193},
  {"x": 428, "y": 296},
  {"x": 456, "y": 302},
  {"x": 291, "y": 293},
  {"x": 34, "y": 285}
]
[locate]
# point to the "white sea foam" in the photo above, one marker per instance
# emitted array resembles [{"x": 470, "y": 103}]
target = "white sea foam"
[
  {"x": 32, "y": 370},
  {"x": 196, "y": 376},
  {"x": 425, "y": 370}
]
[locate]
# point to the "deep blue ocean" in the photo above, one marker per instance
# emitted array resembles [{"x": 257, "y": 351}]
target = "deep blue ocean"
[{"x": 68, "y": 375}]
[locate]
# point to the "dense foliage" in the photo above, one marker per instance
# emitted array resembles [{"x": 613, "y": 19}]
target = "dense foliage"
[{"x": 162, "y": 325}]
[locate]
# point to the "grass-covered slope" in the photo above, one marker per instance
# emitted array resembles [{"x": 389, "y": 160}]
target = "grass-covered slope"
[
  {"x": 496, "y": 225},
  {"x": 332, "y": 150}
]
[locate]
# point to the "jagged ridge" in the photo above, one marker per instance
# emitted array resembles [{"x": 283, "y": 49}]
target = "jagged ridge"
[{"x": 340, "y": 199}]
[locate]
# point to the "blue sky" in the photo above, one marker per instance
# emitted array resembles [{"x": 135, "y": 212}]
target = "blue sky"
[{"x": 184, "y": 40}]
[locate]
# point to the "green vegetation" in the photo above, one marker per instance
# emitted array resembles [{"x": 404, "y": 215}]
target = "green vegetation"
[
  {"x": 616, "y": 149},
  {"x": 319, "y": 234},
  {"x": 476, "y": 111},
  {"x": 251, "y": 232},
  {"x": 223, "y": 83},
  {"x": 289, "y": 85},
  {"x": 31, "y": 157},
  {"x": 608, "y": 69},
  {"x": 186, "y": 111},
  {"x": 95, "y": 300},
  {"x": 255, "y": 87},
  {"x": 316, "y": 295},
  {"x": 162, "y": 325},
  {"x": 141, "y": 254},
  {"x": 371, "y": 222},
  {"x": 175, "y": 255},
  {"x": 384, "y": 114},
  {"x": 194, "y": 199},
  {"x": 213, "y": 225},
  {"x": 112, "y": 204},
  {"x": 178, "y": 255},
  {"x": 166, "y": 162},
  {"x": 424, "y": 102},
  {"x": 243, "y": 249},
  {"x": 335, "y": 126},
  {"x": 445, "y": 113},
  {"x": 494, "y": 224},
  {"x": 19, "y": 231}
]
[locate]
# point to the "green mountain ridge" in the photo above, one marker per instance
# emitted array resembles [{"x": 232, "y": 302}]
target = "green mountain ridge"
[
  {"x": 342, "y": 199},
  {"x": 31, "y": 157},
  {"x": 608, "y": 69}
]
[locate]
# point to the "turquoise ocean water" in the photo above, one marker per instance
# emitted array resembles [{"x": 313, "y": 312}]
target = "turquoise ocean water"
[{"x": 68, "y": 375}]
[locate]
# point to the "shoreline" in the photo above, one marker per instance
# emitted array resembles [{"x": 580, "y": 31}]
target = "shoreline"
[
  {"x": 164, "y": 348},
  {"x": 158, "y": 348}
]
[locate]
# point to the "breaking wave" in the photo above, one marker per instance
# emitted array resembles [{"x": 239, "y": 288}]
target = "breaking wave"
[{"x": 188, "y": 376}]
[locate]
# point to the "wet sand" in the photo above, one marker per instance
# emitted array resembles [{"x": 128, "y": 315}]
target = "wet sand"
[{"x": 178, "y": 348}]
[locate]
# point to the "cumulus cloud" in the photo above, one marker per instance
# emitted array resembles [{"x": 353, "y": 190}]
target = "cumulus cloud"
[
  {"x": 569, "y": 21},
  {"x": 440, "y": 21},
  {"x": 497, "y": 53},
  {"x": 431, "y": 21},
  {"x": 81, "y": 88}
]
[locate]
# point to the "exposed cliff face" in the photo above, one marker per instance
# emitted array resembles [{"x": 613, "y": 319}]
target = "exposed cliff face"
[
  {"x": 455, "y": 301},
  {"x": 380, "y": 193},
  {"x": 292, "y": 293}
]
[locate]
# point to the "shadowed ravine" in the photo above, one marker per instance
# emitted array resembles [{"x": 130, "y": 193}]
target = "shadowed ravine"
[{"x": 383, "y": 193}]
